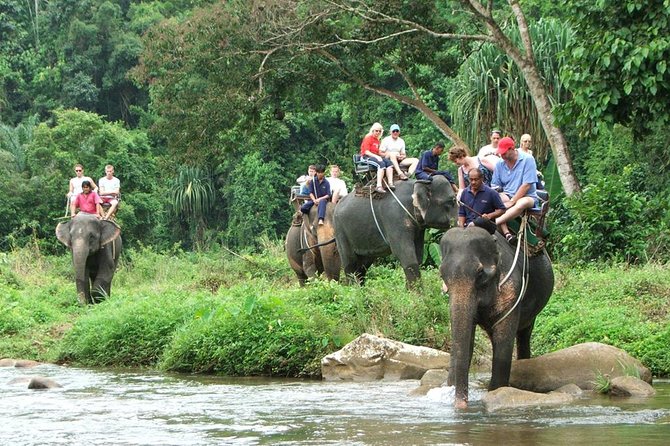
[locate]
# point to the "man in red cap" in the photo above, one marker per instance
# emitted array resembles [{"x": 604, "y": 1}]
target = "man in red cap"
[{"x": 516, "y": 173}]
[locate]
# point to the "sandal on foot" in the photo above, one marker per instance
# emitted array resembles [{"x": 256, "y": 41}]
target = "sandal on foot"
[
  {"x": 402, "y": 176},
  {"x": 511, "y": 238},
  {"x": 380, "y": 190},
  {"x": 392, "y": 186}
]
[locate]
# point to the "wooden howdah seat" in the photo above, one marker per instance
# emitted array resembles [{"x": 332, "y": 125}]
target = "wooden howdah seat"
[
  {"x": 366, "y": 177},
  {"x": 536, "y": 230},
  {"x": 106, "y": 206}
]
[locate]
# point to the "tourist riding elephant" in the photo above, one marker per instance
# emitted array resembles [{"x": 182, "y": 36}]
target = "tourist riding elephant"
[
  {"x": 96, "y": 246},
  {"x": 323, "y": 256},
  {"x": 367, "y": 227},
  {"x": 486, "y": 289}
]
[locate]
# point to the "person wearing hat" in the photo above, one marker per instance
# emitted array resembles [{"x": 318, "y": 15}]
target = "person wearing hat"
[
  {"x": 393, "y": 148},
  {"x": 516, "y": 173},
  {"x": 491, "y": 149},
  {"x": 371, "y": 155},
  {"x": 479, "y": 204}
]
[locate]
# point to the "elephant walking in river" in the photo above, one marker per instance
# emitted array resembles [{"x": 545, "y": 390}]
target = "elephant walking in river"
[
  {"x": 486, "y": 288},
  {"x": 96, "y": 246}
]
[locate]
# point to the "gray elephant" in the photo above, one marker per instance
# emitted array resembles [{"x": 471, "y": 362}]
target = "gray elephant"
[
  {"x": 323, "y": 258},
  {"x": 304, "y": 263},
  {"x": 96, "y": 246},
  {"x": 370, "y": 227},
  {"x": 474, "y": 265}
]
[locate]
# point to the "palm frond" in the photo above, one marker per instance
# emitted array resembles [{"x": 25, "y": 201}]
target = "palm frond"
[{"x": 491, "y": 92}]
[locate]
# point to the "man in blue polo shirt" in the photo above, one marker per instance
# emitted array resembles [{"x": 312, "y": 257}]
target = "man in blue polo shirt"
[
  {"x": 480, "y": 205},
  {"x": 319, "y": 193},
  {"x": 428, "y": 164},
  {"x": 516, "y": 173}
]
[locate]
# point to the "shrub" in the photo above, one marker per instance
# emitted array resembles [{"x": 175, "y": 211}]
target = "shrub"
[
  {"x": 606, "y": 221},
  {"x": 125, "y": 332},
  {"x": 251, "y": 335}
]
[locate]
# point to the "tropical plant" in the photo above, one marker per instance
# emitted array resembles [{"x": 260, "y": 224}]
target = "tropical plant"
[
  {"x": 192, "y": 196},
  {"x": 490, "y": 92}
]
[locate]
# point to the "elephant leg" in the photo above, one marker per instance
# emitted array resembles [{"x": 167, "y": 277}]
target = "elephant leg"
[
  {"x": 348, "y": 258},
  {"x": 102, "y": 270},
  {"x": 523, "y": 341},
  {"x": 308, "y": 238},
  {"x": 405, "y": 251},
  {"x": 363, "y": 267},
  {"x": 502, "y": 340}
]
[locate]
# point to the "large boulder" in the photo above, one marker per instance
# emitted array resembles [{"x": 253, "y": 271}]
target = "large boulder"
[
  {"x": 370, "y": 357},
  {"x": 511, "y": 398},
  {"x": 41, "y": 382},
  {"x": 430, "y": 380},
  {"x": 579, "y": 364},
  {"x": 19, "y": 363},
  {"x": 630, "y": 386}
]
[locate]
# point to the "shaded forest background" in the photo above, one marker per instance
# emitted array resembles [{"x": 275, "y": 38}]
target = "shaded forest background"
[{"x": 209, "y": 110}]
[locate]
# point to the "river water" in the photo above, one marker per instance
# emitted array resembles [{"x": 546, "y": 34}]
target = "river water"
[{"x": 111, "y": 407}]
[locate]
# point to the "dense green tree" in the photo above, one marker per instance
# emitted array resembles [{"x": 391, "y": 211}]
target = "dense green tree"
[
  {"x": 618, "y": 68},
  {"x": 82, "y": 137},
  {"x": 356, "y": 37},
  {"x": 192, "y": 197}
]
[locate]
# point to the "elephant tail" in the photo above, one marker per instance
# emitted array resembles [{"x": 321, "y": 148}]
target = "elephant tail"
[{"x": 307, "y": 248}]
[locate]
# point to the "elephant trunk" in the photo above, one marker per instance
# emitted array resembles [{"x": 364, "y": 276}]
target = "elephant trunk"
[
  {"x": 463, "y": 308},
  {"x": 79, "y": 257}
]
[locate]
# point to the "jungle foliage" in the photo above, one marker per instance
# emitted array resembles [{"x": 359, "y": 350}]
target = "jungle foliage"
[{"x": 209, "y": 109}]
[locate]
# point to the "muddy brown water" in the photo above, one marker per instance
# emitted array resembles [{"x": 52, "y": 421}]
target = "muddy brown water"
[{"x": 114, "y": 407}]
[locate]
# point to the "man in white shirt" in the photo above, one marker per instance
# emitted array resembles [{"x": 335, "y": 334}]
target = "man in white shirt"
[
  {"x": 491, "y": 149},
  {"x": 109, "y": 187},
  {"x": 75, "y": 183},
  {"x": 393, "y": 148},
  {"x": 338, "y": 188}
]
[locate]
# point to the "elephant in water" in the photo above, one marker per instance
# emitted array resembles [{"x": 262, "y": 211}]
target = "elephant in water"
[
  {"x": 474, "y": 263},
  {"x": 96, "y": 246},
  {"x": 306, "y": 232},
  {"x": 369, "y": 227}
]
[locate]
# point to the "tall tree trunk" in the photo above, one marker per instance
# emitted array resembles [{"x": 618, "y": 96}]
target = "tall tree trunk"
[{"x": 526, "y": 62}]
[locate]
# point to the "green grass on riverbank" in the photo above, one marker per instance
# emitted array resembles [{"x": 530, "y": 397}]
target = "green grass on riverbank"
[{"x": 219, "y": 313}]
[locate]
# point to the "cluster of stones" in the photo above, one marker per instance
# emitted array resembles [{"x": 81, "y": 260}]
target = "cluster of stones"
[{"x": 553, "y": 379}]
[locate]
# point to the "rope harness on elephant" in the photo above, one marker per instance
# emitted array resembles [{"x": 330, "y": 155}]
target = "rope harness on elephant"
[
  {"x": 304, "y": 243},
  {"x": 374, "y": 216},
  {"x": 524, "y": 270},
  {"x": 402, "y": 205},
  {"x": 395, "y": 197}
]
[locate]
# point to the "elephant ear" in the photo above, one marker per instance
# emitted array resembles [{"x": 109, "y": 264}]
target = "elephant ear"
[
  {"x": 63, "y": 233},
  {"x": 421, "y": 197},
  {"x": 109, "y": 232}
]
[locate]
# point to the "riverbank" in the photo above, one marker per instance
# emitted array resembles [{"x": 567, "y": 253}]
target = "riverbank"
[{"x": 220, "y": 313}]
